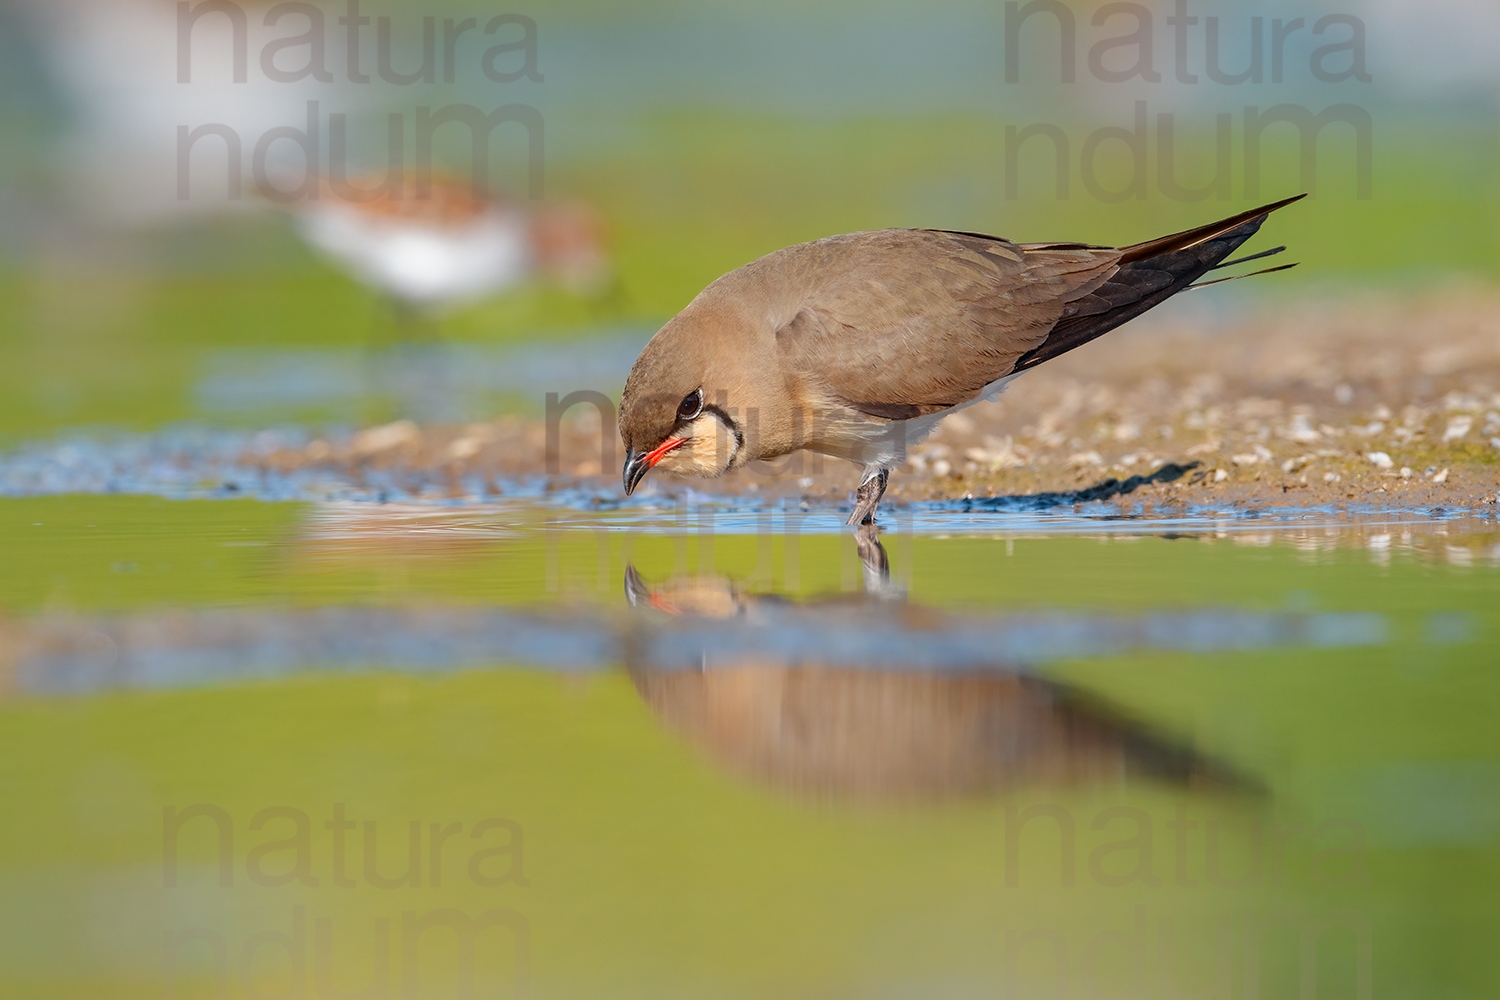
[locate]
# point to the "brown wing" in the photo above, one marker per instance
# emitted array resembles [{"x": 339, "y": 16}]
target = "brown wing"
[
  {"x": 910, "y": 322},
  {"x": 906, "y": 322}
]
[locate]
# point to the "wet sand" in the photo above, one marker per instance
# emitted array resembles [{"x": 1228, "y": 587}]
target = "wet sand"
[{"x": 1387, "y": 401}]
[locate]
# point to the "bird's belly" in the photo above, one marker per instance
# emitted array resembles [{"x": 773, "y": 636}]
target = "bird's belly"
[
  {"x": 883, "y": 444},
  {"x": 422, "y": 263},
  {"x": 872, "y": 443}
]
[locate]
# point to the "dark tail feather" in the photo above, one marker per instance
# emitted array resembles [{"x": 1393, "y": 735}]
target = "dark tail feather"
[
  {"x": 1237, "y": 277},
  {"x": 1149, "y": 274},
  {"x": 1245, "y": 260}
]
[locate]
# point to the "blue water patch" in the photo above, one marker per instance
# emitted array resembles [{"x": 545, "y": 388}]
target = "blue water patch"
[
  {"x": 76, "y": 655},
  {"x": 195, "y": 462}
]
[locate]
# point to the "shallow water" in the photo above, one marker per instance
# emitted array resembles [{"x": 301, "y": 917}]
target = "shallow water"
[{"x": 582, "y": 749}]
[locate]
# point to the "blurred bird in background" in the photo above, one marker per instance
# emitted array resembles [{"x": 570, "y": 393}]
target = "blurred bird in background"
[
  {"x": 433, "y": 245},
  {"x": 428, "y": 242}
]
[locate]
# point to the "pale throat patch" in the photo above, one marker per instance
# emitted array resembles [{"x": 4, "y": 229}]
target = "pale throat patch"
[{"x": 711, "y": 448}]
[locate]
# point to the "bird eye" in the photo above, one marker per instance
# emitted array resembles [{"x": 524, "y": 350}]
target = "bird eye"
[{"x": 691, "y": 405}]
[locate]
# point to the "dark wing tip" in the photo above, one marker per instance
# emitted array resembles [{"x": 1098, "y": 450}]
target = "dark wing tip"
[{"x": 1190, "y": 238}]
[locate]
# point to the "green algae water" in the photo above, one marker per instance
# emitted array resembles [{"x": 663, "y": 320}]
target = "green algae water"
[{"x": 331, "y": 750}]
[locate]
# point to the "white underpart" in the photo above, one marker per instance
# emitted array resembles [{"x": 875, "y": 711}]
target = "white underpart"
[
  {"x": 424, "y": 264},
  {"x": 707, "y": 438},
  {"x": 887, "y": 446}
]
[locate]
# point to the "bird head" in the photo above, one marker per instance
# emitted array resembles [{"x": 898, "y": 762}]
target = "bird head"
[{"x": 677, "y": 409}]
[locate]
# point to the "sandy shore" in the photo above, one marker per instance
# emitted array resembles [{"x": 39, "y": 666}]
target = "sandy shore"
[{"x": 1394, "y": 401}]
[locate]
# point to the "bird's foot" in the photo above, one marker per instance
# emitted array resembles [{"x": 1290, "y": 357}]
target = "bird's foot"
[{"x": 867, "y": 498}]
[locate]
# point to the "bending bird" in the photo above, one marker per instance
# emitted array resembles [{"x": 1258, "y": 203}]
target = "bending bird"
[{"x": 855, "y": 346}]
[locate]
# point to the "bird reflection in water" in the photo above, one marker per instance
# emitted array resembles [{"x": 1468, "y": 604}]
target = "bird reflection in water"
[{"x": 833, "y": 728}]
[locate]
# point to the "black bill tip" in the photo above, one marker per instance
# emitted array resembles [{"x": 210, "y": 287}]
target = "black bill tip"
[
  {"x": 637, "y": 591},
  {"x": 635, "y": 470}
]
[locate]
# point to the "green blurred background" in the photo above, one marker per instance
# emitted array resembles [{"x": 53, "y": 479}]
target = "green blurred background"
[{"x": 703, "y": 135}]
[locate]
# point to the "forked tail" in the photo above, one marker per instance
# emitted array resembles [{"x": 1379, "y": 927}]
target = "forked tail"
[{"x": 1152, "y": 272}]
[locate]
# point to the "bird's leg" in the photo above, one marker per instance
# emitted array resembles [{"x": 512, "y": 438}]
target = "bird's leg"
[{"x": 867, "y": 498}]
